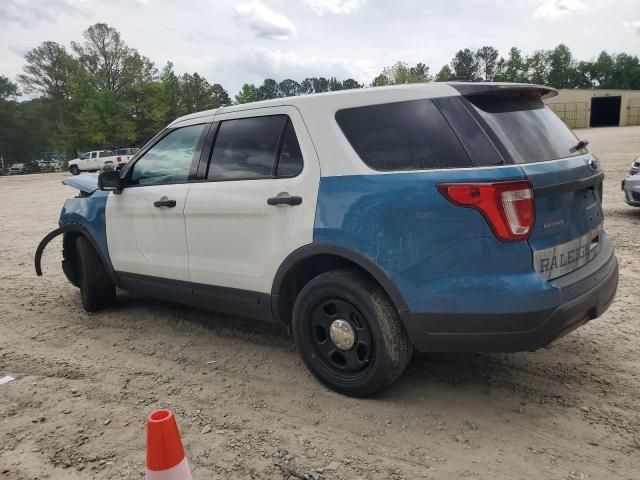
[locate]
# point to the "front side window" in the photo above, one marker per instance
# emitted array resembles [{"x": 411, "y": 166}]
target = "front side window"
[
  {"x": 169, "y": 160},
  {"x": 246, "y": 148},
  {"x": 410, "y": 135},
  {"x": 85, "y": 156}
]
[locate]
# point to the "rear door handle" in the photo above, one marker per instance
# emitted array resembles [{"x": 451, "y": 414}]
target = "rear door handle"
[
  {"x": 164, "y": 202},
  {"x": 285, "y": 200}
]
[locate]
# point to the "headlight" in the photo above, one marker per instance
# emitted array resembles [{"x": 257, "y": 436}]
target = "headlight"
[{"x": 635, "y": 167}]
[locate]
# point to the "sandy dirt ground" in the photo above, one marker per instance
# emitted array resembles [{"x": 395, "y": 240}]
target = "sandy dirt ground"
[{"x": 248, "y": 408}]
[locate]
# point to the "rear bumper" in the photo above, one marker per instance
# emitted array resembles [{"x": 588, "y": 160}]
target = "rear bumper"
[{"x": 516, "y": 332}]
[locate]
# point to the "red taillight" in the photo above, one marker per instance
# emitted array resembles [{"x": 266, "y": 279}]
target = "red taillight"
[
  {"x": 119, "y": 159},
  {"x": 507, "y": 206}
]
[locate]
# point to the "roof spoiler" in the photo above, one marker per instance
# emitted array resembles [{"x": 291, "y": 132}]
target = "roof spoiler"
[{"x": 506, "y": 89}]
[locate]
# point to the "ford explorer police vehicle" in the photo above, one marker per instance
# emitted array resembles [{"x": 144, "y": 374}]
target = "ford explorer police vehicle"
[{"x": 371, "y": 222}]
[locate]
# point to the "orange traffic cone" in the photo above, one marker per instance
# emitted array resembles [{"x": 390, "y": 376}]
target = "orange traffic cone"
[{"x": 165, "y": 454}]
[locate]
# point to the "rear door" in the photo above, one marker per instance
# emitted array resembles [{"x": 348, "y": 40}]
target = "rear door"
[
  {"x": 256, "y": 206},
  {"x": 567, "y": 181}
]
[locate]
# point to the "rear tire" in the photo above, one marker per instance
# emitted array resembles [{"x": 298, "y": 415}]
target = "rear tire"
[
  {"x": 74, "y": 170},
  {"x": 96, "y": 288},
  {"x": 349, "y": 334}
]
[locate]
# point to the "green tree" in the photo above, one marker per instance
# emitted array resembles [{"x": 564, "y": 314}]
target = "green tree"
[
  {"x": 335, "y": 84},
  {"x": 220, "y": 95},
  {"x": 626, "y": 72},
  {"x": 109, "y": 63},
  {"x": 248, "y": 93},
  {"x": 350, "y": 84},
  {"x": 445, "y": 74},
  {"x": 268, "y": 90},
  {"x": 8, "y": 120},
  {"x": 50, "y": 71},
  {"x": 464, "y": 65},
  {"x": 603, "y": 70},
  {"x": 380, "y": 81},
  {"x": 538, "y": 67},
  {"x": 196, "y": 94},
  {"x": 170, "y": 85},
  {"x": 514, "y": 68},
  {"x": 320, "y": 84},
  {"x": 8, "y": 89},
  {"x": 289, "y": 88},
  {"x": 401, "y": 73},
  {"x": 487, "y": 60},
  {"x": 562, "y": 71}
]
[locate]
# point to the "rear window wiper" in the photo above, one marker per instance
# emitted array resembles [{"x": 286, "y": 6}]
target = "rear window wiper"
[{"x": 582, "y": 144}]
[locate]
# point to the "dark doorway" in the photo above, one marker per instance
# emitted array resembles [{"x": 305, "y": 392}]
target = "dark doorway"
[{"x": 605, "y": 111}]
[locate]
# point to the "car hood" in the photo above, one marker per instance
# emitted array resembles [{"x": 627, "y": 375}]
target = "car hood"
[{"x": 87, "y": 182}]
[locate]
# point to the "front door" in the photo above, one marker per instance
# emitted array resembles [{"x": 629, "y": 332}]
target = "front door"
[
  {"x": 88, "y": 161},
  {"x": 256, "y": 206},
  {"x": 145, "y": 222}
]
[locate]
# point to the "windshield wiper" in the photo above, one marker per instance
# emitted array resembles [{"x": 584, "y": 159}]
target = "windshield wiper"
[{"x": 582, "y": 144}]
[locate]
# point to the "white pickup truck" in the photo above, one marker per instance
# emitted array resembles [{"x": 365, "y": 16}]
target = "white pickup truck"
[{"x": 96, "y": 160}]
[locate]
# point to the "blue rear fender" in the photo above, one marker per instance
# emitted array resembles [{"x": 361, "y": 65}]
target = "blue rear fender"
[{"x": 443, "y": 258}]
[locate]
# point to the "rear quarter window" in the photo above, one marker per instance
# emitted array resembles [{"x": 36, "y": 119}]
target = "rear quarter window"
[
  {"x": 525, "y": 129},
  {"x": 409, "y": 135}
]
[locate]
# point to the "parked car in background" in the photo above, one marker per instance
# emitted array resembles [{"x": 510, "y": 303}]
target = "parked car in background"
[
  {"x": 123, "y": 155},
  {"x": 92, "y": 161},
  {"x": 631, "y": 185},
  {"x": 441, "y": 217},
  {"x": 21, "y": 168},
  {"x": 49, "y": 165}
]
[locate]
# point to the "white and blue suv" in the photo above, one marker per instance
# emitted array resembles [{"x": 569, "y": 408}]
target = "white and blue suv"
[{"x": 372, "y": 222}]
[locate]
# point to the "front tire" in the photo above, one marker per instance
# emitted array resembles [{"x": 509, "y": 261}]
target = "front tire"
[
  {"x": 96, "y": 288},
  {"x": 349, "y": 334},
  {"x": 74, "y": 170}
]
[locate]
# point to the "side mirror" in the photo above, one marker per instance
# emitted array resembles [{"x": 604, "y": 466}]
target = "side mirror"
[{"x": 110, "y": 181}]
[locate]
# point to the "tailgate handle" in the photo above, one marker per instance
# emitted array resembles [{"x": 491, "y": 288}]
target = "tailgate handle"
[{"x": 573, "y": 185}]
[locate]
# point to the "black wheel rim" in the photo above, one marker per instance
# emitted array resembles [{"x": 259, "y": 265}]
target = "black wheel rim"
[{"x": 352, "y": 362}]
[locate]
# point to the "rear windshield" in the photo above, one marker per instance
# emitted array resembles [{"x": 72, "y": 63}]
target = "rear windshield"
[
  {"x": 527, "y": 130},
  {"x": 409, "y": 135}
]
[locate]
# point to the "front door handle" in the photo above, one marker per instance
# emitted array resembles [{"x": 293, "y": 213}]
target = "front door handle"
[
  {"x": 164, "y": 202},
  {"x": 285, "y": 200}
]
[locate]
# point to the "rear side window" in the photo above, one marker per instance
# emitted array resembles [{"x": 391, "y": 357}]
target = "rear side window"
[
  {"x": 106, "y": 153},
  {"x": 290, "y": 156},
  {"x": 525, "y": 128},
  {"x": 409, "y": 135},
  {"x": 255, "y": 148}
]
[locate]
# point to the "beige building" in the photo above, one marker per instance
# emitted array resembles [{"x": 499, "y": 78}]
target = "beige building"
[{"x": 597, "y": 108}]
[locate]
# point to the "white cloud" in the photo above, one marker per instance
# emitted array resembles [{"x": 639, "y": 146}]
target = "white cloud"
[
  {"x": 265, "y": 22},
  {"x": 554, "y": 9},
  {"x": 29, "y": 12},
  {"x": 337, "y": 7},
  {"x": 632, "y": 27},
  {"x": 278, "y": 64}
]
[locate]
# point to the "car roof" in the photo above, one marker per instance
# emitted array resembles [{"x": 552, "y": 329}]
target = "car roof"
[{"x": 375, "y": 95}]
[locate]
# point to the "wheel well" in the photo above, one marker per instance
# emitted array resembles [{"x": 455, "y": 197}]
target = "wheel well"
[
  {"x": 305, "y": 270},
  {"x": 69, "y": 257}
]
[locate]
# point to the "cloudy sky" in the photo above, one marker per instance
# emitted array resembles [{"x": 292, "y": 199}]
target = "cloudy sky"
[{"x": 232, "y": 42}]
